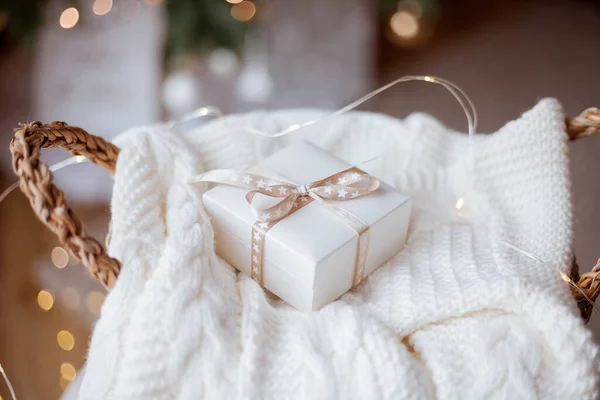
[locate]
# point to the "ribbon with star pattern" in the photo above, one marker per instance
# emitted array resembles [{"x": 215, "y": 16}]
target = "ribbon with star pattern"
[{"x": 345, "y": 185}]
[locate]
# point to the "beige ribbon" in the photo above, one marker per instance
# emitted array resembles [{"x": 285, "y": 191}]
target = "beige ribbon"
[{"x": 346, "y": 185}]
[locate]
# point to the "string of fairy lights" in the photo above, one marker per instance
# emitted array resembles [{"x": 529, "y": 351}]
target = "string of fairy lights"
[
  {"x": 406, "y": 25},
  {"x": 241, "y": 10},
  {"x": 71, "y": 298}
]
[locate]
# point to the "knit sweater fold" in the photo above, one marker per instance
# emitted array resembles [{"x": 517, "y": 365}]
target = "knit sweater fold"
[{"x": 457, "y": 314}]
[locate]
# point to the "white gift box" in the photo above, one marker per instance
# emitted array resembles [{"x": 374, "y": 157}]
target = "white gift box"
[{"x": 309, "y": 256}]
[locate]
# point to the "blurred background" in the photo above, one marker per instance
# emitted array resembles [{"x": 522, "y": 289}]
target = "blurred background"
[{"x": 108, "y": 65}]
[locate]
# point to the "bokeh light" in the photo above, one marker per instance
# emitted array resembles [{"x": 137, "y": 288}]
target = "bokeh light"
[
  {"x": 45, "y": 300},
  {"x": 63, "y": 383},
  {"x": 70, "y": 297},
  {"x": 4, "y": 20},
  {"x": 130, "y": 9},
  {"x": 404, "y": 24},
  {"x": 68, "y": 371},
  {"x": 69, "y": 18},
  {"x": 102, "y": 7},
  {"x": 65, "y": 340},
  {"x": 243, "y": 11},
  {"x": 59, "y": 257},
  {"x": 94, "y": 302}
]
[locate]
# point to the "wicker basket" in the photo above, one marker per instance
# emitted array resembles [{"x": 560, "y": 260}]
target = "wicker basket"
[{"x": 48, "y": 202}]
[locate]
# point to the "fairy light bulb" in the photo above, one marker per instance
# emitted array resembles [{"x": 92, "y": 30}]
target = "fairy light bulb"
[
  {"x": 565, "y": 277},
  {"x": 459, "y": 204},
  {"x": 458, "y": 207}
]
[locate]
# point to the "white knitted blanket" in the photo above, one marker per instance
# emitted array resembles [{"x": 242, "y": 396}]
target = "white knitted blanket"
[{"x": 455, "y": 315}]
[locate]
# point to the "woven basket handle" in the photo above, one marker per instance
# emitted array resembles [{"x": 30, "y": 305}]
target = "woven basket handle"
[
  {"x": 48, "y": 202},
  {"x": 585, "y": 124}
]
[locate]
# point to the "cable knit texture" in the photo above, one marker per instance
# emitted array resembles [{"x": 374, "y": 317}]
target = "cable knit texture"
[{"x": 455, "y": 315}]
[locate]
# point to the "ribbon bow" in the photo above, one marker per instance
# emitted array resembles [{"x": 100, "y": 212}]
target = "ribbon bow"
[
  {"x": 340, "y": 186},
  {"x": 348, "y": 184}
]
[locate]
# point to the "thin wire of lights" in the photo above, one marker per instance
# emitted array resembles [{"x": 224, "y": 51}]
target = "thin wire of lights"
[
  {"x": 459, "y": 94},
  {"x": 564, "y": 276},
  {"x": 8, "y": 383},
  {"x": 207, "y": 111},
  {"x": 471, "y": 115},
  {"x": 461, "y": 97},
  {"x": 53, "y": 168}
]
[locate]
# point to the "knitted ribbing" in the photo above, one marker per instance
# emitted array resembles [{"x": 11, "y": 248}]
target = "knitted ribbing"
[{"x": 455, "y": 315}]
